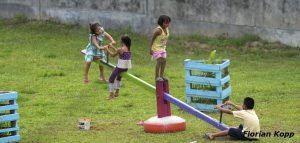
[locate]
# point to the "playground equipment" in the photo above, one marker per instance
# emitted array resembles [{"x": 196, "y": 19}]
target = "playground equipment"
[
  {"x": 9, "y": 131},
  {"x": 163, "y": 106},
  {"x": 207, "y": 85},
  {"x": 164, "y": 121}
]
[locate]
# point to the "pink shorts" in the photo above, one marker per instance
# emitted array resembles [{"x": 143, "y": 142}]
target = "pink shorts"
[{"x": 159, "y": 54}]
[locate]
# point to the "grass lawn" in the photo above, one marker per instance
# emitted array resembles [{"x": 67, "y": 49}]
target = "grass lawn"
[{"x": 43, "y": 63}]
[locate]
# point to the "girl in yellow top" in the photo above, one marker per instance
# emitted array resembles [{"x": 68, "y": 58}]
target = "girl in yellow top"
[{"x": 158, "y": 45}]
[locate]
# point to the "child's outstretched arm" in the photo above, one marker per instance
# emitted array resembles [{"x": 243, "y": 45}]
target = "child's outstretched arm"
[
  {"x": 112, "y": 41},
  {"x": 156, "y": 33},
  {"x": 223, "y": 109},
  {"x": 235, "y": 106},
  {"x": 113, "y": 54},
  {"x": 115, "y": 49},
  {"x": 96, "y": 43}
]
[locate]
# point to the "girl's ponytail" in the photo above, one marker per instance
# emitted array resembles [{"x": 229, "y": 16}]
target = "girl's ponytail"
[{"x": 126, "y": 40}]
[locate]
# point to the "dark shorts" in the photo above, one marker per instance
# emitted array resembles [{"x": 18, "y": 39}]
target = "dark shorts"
[{"x": 237, "y": 133}]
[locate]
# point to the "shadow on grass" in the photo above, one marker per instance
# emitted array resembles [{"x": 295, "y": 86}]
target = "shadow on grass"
[
  {"x": 27, "y": 91},
  {"x": 53, "y": 74}
]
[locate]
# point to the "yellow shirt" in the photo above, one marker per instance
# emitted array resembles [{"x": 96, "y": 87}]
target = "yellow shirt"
[
  {"x": 160, "y": 43},
  {"x": 249, "y": 119}
]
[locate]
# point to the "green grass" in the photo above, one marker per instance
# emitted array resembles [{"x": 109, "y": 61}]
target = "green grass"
[{"x": 43, "y": 63}]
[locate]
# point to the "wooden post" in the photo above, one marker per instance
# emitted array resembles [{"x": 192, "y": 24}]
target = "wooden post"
[
  {"x": 163, "y": 106},
  {"x": 167, "y": 107}
]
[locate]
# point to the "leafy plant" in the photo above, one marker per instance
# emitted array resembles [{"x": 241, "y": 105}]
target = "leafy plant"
[{"x": 212, "y": 58}]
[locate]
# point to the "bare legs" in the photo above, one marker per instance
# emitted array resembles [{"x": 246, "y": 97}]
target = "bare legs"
[
  {"x": 157, "y": 67},
  {"x": 101, "y": 77},
  {"x": 86, "y": 72},
  {"x": 212, "y": 136},
  {"x": 160, "y": 68}
]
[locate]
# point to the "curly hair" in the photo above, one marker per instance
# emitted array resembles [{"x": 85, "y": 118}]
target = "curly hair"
[
  {"x": 162, "y": 19},
  {"x": 93, "y": 27}
]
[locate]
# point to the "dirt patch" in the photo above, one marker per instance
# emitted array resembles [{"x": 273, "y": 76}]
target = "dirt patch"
[
  {"x": 191, "y": 46},
  {"x": 254, "y": 44}
]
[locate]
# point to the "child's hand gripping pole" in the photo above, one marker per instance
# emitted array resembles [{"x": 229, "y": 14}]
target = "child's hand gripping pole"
[{"x": 221, "y": 113}]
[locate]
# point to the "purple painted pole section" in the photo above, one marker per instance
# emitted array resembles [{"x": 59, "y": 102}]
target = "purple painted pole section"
[
  {"x": 167, "y": 103},
  {"x": 195, "y": 112},
  {"x": 163, "y": 106}
]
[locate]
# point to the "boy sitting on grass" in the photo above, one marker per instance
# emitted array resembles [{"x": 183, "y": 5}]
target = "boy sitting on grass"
[{"x": 250, "y": 128}]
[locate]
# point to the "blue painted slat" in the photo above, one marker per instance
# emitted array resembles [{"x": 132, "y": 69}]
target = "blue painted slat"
[
  {"x": 226, "y": 92},
  {"x": 207, "y": 80},
  {"x": 225, "y": 79},
  {"x": 203, "y": 80},
  {"x": 9, "y": 107},
  {"x": 9, "y": 129},
  {"x": 8, "y": 96},
  {"x": 219, "y": 75},
  {"x": 225, "y": 64},
  {"x": 7, "y": 93},
  {"x": 9, "y": 117},
  {"x": 202, "y": 67},
  {"x": 188, "y": 99},
  {"x": 187, "y": 60},
  {"x": 15, "y": 138},
  {"x": 211, "y": 94},
  {"x": 201, "y": 64},
  {"x": 204, "y": 107},
  {"x": 187, "y": 73},
  {"x": 203, "y": 96},
  {"x": 207, "y": 107}
]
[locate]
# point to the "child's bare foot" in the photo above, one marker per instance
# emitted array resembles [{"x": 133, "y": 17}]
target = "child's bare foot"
[
  {"x": 209, "y": 136},
  {"x": 159, "y": 79},
  {"x": 86, "y": 81},
  {"x": 102, "y": 78},
  {"x": 164, "y": 78},
  {"x": 140, "y": 123}
]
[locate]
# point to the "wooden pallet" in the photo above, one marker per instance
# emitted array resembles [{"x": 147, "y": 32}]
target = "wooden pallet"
[
  {"x": 206, "y": 84},
  {"x": 9, "y": 130}
]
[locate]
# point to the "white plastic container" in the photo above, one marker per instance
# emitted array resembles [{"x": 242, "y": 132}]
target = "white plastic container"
[{"x": 84, "y": 124}]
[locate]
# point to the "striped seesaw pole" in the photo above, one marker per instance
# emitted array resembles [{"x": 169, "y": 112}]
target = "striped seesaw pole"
[{"x": 168, "y": 97}]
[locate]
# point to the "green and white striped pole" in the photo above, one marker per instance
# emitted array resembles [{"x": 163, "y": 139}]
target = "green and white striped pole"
[{"x": 131, "y": 77}]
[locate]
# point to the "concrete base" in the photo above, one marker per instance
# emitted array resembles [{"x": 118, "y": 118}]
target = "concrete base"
[{"x": 164, "y": 125}]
